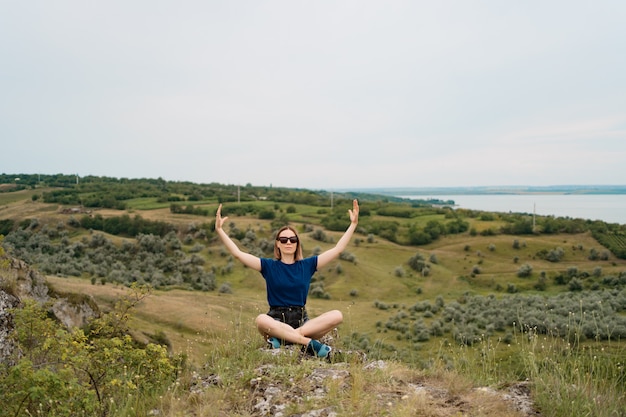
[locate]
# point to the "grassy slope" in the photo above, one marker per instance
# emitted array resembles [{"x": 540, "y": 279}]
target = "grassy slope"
[
  {"x": 373, "y": 276},
  {"x": 199, "y": 323},
  {"x": 191, "y": 319}
]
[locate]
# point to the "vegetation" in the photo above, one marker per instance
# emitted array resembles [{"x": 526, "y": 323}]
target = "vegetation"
[
  {"x": 428, "y": 289},
  {"x": 97, "y": 371}
]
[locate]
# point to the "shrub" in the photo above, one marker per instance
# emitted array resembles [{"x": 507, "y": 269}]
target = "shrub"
[
  {"x": 81, "y": 372},
  {"x": 381, "y": 306},
  {"x": 555, "y": 255},
  {"x": 225, "y": 288},
  {"x": 267, "y": 214},
  {"x": 541, "y": 284},
  {"x": 347, "y": 256},
  {"x": 525, "y": 271},
  {"x": 317, "y": 291},
  {"x": 417, "y": 262},
  {"x": 575, "y": 285},
  {"x": 319, "y": 235}
]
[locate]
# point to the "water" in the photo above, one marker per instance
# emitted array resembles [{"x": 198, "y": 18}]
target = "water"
[{"x": 610, "y": 208}]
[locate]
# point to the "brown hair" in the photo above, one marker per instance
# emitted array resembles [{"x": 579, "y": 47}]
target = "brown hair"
[{"x": 277, "y": 254}]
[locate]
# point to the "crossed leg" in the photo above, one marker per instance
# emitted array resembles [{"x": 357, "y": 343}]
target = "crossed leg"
[{"x": 313, "y": 329}]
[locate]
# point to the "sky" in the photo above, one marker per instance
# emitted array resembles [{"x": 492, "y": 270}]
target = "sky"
[{"x": 316, "y": 94}]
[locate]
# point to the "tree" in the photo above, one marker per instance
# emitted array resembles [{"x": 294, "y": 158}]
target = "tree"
[{"x": 417, "y": 262}]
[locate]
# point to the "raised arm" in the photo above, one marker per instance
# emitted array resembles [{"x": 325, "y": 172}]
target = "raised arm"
[
  {"x": 324, "y": 258},
  {"x": 247, "y": 259}
]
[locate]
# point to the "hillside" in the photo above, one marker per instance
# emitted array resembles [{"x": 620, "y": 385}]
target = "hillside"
[
  {"x": 265, "y": 382},
  {"x": 410, "y": 305}
]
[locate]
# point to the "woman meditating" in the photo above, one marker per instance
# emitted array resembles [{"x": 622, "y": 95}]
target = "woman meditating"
[{"x": 287, "y": 279}]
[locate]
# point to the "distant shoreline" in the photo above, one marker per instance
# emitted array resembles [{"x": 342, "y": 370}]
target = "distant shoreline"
[{"x": 499, "y": 190}]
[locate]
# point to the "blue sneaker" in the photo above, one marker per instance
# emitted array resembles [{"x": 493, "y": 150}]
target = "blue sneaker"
[
  {"x": 274, "y": 343},
  {"x": 318, "y": 349}
]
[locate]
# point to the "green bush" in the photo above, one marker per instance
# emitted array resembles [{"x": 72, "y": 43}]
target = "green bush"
[
  {"x": 525, "y": 271},
  {"x": 74, "y": 372}
]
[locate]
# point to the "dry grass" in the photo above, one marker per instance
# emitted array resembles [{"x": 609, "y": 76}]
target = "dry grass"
[
  {"x": 216, "y": 332},
  {"x": 221, "y": 342}
]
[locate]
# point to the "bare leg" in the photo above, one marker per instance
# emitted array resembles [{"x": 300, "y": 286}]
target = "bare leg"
[
  {"x": 316, "y": 328},
  {"x": 267, "y": 326},
  {"x": 312, "y": 329}
]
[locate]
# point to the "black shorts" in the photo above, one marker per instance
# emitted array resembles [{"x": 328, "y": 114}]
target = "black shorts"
[{"x": 293, "y": 316}]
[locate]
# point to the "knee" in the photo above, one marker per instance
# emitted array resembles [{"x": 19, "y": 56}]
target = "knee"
[
  {"x": 263, "y": 321},
  {"x": 337, "y": 317}
]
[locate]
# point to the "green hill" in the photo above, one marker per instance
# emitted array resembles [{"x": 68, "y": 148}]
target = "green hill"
[{"x": 430, "y": 287}]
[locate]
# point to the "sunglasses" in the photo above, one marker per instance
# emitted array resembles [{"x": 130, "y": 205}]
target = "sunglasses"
[{"x": 292, "y": 239}]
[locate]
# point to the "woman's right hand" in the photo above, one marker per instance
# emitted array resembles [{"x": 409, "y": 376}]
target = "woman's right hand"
[
  {"x": 219, "y": 220},
  {"x": 247, "y": 259}
]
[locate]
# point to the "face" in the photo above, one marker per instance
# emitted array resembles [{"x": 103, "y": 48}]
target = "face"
[{"x": 287, "y": 241}]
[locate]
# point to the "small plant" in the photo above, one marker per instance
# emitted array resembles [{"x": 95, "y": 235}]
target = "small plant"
[
  {"x": 525, "y": 271},
  {"x": 319, "y": 235},
  {"x": 225, "y": 288}
]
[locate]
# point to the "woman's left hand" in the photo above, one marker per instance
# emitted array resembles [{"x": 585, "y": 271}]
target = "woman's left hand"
[
  {"x": 219, "y": 220},
  {"x": 354, "y": 213}
]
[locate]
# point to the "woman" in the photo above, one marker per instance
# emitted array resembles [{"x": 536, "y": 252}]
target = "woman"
[{"x": 287, "y": 279}]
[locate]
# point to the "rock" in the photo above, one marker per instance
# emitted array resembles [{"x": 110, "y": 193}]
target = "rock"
[
  {"x": 19, "y": 281},
  {"x": 7, "y": 345},
  {"x": 73, "y": 314}
]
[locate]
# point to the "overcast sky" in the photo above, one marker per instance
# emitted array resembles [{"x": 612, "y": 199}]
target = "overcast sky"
[{"x": 316, "y": 94}]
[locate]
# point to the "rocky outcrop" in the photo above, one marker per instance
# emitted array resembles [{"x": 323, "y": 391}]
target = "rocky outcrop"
[
  {"x": 19, "y": 281},
  {"x": 7, "y": 345},
  {"x": 278, "y": 396},
  {"x": 25, "y": 281}
]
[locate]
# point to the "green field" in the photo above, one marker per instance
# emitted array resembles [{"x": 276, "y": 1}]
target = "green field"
[{"x": 389, "y": 308}]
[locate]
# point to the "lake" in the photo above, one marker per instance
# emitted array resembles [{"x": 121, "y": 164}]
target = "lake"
[{"x": 610, "y": 208}]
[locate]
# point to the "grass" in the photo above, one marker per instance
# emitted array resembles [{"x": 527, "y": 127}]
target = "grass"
[
  {"x": 589, "y": 378},
  {"x": 216, "y": 333},
  {"x": 16, "y": 196},
  {"x": 240, "y": 377}
]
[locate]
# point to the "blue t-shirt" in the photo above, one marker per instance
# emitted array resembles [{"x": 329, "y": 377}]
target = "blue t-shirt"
[{"x": 288, "y": 284}]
